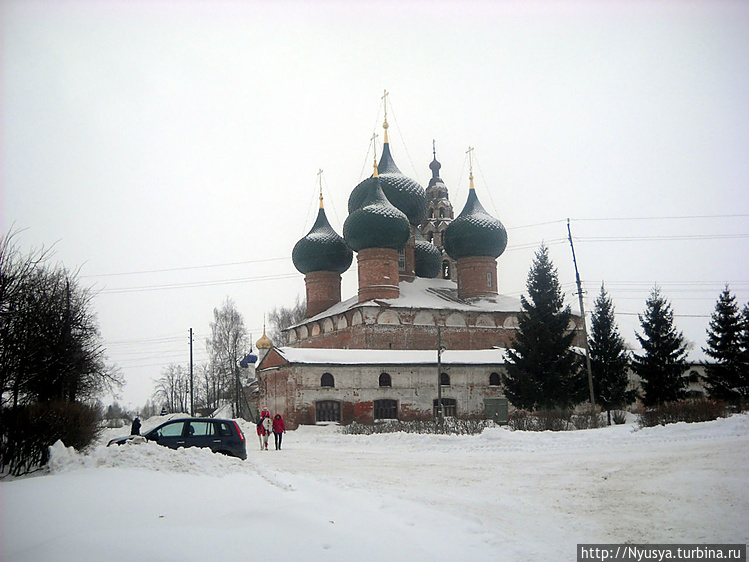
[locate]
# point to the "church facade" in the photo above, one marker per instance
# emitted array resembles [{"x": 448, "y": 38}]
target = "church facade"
[{"x": 427, "y": 330}]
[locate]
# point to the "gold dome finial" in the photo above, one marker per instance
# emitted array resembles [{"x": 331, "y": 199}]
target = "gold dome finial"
[
  {"x": 470, "y": 166},
  {"x": 319, "y": 176},
  {"x": 385, "y": 124},
  {"x": 264, "y": 341}
]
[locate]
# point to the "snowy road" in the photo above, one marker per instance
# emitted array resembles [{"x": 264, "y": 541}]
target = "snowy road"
[{"x": 675, "y": 484}]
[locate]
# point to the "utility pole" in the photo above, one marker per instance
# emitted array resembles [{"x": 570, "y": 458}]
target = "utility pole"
[
  {"x": 582, "y": 313},
  {"x": 440, "y": 349},
  {"x": 192, "y": 395}
]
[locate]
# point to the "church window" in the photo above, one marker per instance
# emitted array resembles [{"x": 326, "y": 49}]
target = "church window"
[
  {"x": 402, "y": 259},
  {"x": 386, "y": 409},
  {"x": 449, "y": 405},
  {"x": 327, "y": 380},
  {"x": 494, "y": 379},
  {"x": 444, "y": 379},
  {"x": 442, "y": 213},
  {"x": 445, "y": 269},
  {"x": 489, "y": 279},
  {"x": 431, "y": 213},
  {"x": 327, "y": 411},
  {"x": 385, "y": 380}
]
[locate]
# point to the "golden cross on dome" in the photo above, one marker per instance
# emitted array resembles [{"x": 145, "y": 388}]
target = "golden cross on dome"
[
  {"x": 385, "y": 104},
  {"x": 319, "y": 178},
  {"x": 374, "y": 150},
  {"x": 470, "y": 165}
]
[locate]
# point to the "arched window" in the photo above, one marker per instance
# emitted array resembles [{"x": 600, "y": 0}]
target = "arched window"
[
  {"x": 431, "y": 213},
  {"x": 385, "y": 380},
  {"x": 494, "y": 379},
  {"x": 442, "y": 213},
  {"x": 445, "y": 269},
  {"x": 327, "y": 380},
  {"x": 445, "y": 379}
]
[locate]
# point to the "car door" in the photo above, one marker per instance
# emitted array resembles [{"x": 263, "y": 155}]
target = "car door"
[
  {"x": 170, "y": 434},
  {"x": 202, "y": 434}
]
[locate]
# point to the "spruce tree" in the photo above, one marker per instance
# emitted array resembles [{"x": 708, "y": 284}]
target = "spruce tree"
[
  {"x": 609, "y": 358},
  {"x": 543, "y": 372},
  {"x": 724, "y": 334},
  {"x": 662, "y": 366},
  {"x": 744, "y": 357}
]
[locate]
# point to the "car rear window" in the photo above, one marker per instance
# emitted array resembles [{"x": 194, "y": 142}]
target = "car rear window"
[{"x": 225, "y": 430}]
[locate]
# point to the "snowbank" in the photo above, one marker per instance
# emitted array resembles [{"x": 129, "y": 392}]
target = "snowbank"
[{"x": 501, "y": 495}]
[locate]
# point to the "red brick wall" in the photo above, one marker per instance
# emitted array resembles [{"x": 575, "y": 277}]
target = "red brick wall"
[
  {"x": 378, "y": 274},
  {"x": 375, "y": 336},
  {"x": 477, "y": 277},
  {"x": 323, "y": 291}
]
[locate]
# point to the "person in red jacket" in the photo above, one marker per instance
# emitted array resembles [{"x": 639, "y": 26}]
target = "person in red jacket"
[
  {"x": 264, "y": 428},
  {"x": 279, "y": 428}
]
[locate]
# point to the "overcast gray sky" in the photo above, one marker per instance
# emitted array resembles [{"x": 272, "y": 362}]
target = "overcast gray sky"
[{"x": 171, "y": 149}]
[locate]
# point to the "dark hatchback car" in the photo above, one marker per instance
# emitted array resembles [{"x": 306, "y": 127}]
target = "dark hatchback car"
[{"x": 220, "y": 436}]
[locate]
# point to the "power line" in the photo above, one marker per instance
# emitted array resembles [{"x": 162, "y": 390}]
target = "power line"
[
  {"x": 185, "y": 268},
  {"x": 661, "y": 238},
  {"x": 675, "y": 217},
  {"x": 197, "y": 284}
]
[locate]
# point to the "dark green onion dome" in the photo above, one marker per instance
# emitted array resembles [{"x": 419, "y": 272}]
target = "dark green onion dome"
[
  {"x": 321, "y": 249},
  {"x": 475, "y": 232},
  {"x": 403, "y": 192},
  {"x": 376, "y": 223},
  {"x": 427, "y": 257}
]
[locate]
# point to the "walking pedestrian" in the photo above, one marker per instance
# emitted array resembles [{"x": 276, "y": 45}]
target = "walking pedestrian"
[
  {"x": 279, "y": 428},
  {"x": 135, "y": 428}
]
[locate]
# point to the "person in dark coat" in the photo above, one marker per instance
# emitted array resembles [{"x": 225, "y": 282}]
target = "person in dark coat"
[
  {"x": 135, "y": 428},
  {"x": 279, "y": 428}
]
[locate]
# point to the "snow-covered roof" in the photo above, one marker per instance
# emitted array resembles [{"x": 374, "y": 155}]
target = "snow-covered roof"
[
  {"x": 391, "y": 356},
  {"x": 435, "y": 294}
]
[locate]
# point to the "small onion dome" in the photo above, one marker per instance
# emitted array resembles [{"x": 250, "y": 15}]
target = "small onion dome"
[
  {"x": 376, "y": 223},
  {"x": 264, "y": 342},
  {"x": 321, "y": 249},
  {"x": 247, "y": 360},
  {"x": 435, "y": 167},
  {"x": 427, "y": 257},
  {"x": 475, "y": 232},
  {"x": 403, "y": 192}
]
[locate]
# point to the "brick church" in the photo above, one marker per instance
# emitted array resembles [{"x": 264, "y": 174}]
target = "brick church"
[{"x": 426, "y": 281}]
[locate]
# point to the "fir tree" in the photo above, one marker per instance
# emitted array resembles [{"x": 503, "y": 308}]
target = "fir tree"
[
  {"x": 744, "y": 357},
  {"x": 609, "y": 359},
  {"x": 662, "y": 365},
  {"x": 723, "y": 374},
  {"x": 543, "y": 372}
]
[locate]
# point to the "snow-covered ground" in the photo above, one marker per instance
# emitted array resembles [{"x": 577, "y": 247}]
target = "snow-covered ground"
[{"x": 502, "y": 495}]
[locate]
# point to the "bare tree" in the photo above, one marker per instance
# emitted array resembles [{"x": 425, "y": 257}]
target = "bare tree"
[
  {"x": 50, "y": 344},
  {"x": 227, "y": 344},
  {"x": 173, "y": 388},
  {"x": 282, "y": 317}
]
